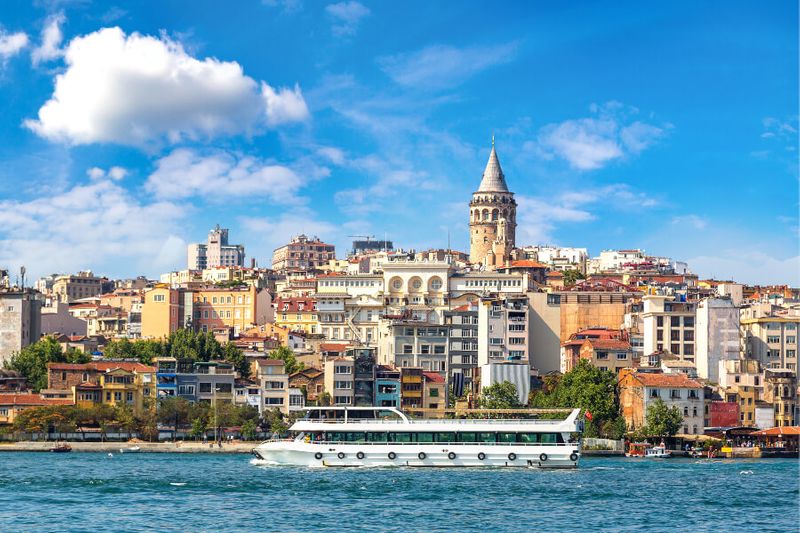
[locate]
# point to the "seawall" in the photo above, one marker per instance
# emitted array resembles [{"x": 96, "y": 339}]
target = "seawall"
[{"x": 145, "y": 447}]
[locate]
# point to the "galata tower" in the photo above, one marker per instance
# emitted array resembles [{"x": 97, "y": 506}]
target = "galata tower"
[{"x": 492, "y": 217}]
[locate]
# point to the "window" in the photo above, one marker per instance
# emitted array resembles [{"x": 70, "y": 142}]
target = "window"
[
  {"x": 516, "y": 340},
  {"x": 343, "y": 369},
  {"x": 675, "y": 394},
  {"x": 688, "y": 321},
  {"x": 660, "y": 321},
  {"x": 129, "y": 397},
  {"x": 685, "y": 411},
  {"x": 790, "y": 354},
  {"x": 118, "y": 396},
  {"x": 675, "y": 335},
  {"x": 675, "y": 321},
  {"x": 659, "y": 334},
  {"x": 343, "y": 385},
  {"x": 159, "y": 298},
  {"x": 675, "y": 348},
  {"x": 773, "y": 339},
  {"x": 205, "y": 387},
  {"x": 438, "y": 349},
  {"x": 602, "y": 355},
  {"x": 688, "y": 335},
  {"x": 654, "y": 393},
  {"x": 434, "y": 392},
  {"x": 693, "y": 394},
  {"x": 688, "y": 349},
  {"x": 791, "y": 339},
  {"x": 622, "y": 355},
  {"x": 425, "y": 349}
]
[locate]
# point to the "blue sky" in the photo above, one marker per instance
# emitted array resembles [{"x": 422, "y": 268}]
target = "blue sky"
[{"x": 129, "y": 131}]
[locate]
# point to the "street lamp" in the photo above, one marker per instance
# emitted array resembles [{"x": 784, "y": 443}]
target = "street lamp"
[{"x": 216, "y": 390}]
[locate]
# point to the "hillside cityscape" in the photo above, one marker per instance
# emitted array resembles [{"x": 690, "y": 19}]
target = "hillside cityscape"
[{"x": 425, "y": 331}]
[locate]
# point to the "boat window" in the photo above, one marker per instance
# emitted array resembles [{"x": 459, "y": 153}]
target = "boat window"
[
  {"x": 486, "y": 437},
  {"x": 424, "y": 437},
  {"x": 445, "y": 437},
  {"x": 354, "y": 437},
  {"x": 466, "y": 437},
  {"x": 377, "y": 437},
  {"x": 506, "y": 437},
  {"x": 528, "y": 438},
  {"x": 548, "y": 438},
  {"x": 400, "y": 437}
]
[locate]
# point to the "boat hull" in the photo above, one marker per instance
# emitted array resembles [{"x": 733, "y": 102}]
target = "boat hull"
[{"x": 407, "y": 455}]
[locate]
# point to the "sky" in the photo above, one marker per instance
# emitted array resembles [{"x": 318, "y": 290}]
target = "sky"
[{"x": 128, "y": 131}]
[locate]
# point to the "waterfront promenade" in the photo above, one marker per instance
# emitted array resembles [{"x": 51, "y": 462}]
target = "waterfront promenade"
[{"x": 148, "y": 447}]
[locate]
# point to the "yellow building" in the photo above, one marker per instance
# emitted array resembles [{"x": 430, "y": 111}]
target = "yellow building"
[
  {"x": 166, "y": 309},
  {"x": 297, "y": 314},
  {"x": 162, "y": 311},
  {"x": 237, "y": 308}
]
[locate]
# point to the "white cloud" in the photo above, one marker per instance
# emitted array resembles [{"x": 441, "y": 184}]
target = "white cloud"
[
  {"x": 593, "y": 142},
  {"x": 49, "y": 48},
  {"x": 332, "y": 154},
  {"x": 347, "y": 16},
  {"x": 114, "y": 173},
  {"x": 11, "y": 44},
  {"x": 185, "y": 173},
  {"x": 137, "y": 89},
  {"x": 98, "y": 225},
  {"x": 284, "y": 105},
  {"x": 441, "y": 66},
  {"x": 694, "y": 221}
]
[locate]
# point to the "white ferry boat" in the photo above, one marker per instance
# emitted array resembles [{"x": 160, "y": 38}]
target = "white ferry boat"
[{"x": 384, "y": 436}]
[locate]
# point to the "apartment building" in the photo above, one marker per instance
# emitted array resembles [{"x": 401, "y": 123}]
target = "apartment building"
[
  {"x": 297, "y": 314},
  {"x": 769, "y": 334},
  {"x": 608, "y": 354},
  {"x": 638, "y": 390},
  {"x": 20, "y": 320},
  {"x": 70, "y": 287},
  {"x": 215, "y": 252},
  {"x": 716, "y": 335},
  {"x": 503, "y": 329},
  {"x": 350, "y": 307},
  {"x": 462, "y": 347},
  {"x": 418, "y": 287},
  {"x": 669, "y": 325},
  {"x": 405, "y": 343},
  {"x": 303, "y": 253},
  {"x": 742, "y": 382},
  {"x": 340, "y": 380}
]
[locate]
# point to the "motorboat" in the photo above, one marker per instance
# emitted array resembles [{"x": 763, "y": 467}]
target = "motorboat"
[
  {"x": 385, "y": 436},
  {"x": 61, "y": 447}
]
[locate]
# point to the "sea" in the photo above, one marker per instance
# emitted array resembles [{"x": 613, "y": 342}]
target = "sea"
[{"x": 208, "y": 492}]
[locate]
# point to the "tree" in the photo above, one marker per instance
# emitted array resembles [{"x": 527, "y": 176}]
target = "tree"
[
  {"x": 274, "y": 418},
  {"x": 500, "y": 396},
  {"x": 236, "y": 357},
  {"x": 199, "y": 427},
  {"x": 571, "y": 277},
  {"x": 144, "y": 350},
  {"x": 249, "y": 430},
  {"x": 324, "y": 399},
  {"x": 125, "y": 419},
  {"x": 588, "y": 388},
  {"x": 662, "y": 421},
  {"x": 290, "y": 362},
  {"x": 32, "y": 360}
]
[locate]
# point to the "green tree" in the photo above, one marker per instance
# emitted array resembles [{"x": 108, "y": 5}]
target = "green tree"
[
  {"x": 662, "y": 421},
  {"x": 290, "y": 362},
  {"x": 199, "y": 427},
  {"x": 236, "y": 357},
  {"x": 275, "y": 421},
  {"x": 125, "y": 420},
  {"x": 500, "y": 396},
  {"x": 324, "y": 399},
  {"x": 190, "y": 344},
  {"x": 249, "y": 430},
  {"x": 32, "y": 360},
  {"x": 588, "y": 388},
  {"x": 571, "y": 277},
  {"x": 144, "y": 350}
]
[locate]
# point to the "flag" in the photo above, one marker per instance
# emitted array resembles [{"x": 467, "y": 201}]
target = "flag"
[{"x": 588, "y": 415}]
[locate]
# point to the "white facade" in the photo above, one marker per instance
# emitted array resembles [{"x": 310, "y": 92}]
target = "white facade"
[
  {"x": 717, "y": 336},
  {"x": 517, "y": 373},
  {"x": 669, "y": 325},
  {"x": 689, "y": 401},
  {"x": 503, "y": 330},
  {"x": 215, "y": 252}
]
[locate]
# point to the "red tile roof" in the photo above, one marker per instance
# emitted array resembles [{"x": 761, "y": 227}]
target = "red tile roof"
[
  {"x": 609, "y": 344},
  {"x": 333, "y": 347},
  {"x": 292, "y": 305},
  {"x": 31, "y": 399},
  {"x": 433, "y": 377},
  {"x": 677, "y": 381},
  {"x": 527, "y": 263},
  {"x": 103, "y": 366}
]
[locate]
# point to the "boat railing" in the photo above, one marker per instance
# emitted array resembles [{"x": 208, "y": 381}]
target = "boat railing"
[
  {"x": 360, "y": 443},
  {"x": 454, "y": 421}
]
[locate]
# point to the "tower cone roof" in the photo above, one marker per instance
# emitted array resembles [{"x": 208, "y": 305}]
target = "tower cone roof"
[{"x": 493, "y": 179}]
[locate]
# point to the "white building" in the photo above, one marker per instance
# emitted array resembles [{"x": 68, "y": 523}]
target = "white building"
[
  {"x": 20, "y": 320},
  {"x": 669, "y": 325},
  {"x": 560, "y": 258},
  {"x": 517, "y": 373},
  {"x": 717, "y": 336},
  {"x": 215, "y": 252}
]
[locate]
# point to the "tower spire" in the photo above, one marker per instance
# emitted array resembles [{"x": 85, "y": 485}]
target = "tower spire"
[{"x": 493, "y": 179}]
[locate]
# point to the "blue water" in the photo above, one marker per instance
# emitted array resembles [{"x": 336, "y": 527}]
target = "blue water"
[{"x": 202, "y": 492}]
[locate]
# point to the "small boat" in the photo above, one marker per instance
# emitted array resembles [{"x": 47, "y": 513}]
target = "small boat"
[
  {"x": 637, "y": 449},
  {"x": 657, "y": 452},
  {"x": 61, "y": 447},
  {"x": 133, "y": 449}
]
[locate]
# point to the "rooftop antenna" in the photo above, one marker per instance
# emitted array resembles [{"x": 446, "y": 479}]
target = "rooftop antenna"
[{"x": 22, "y": 271}]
